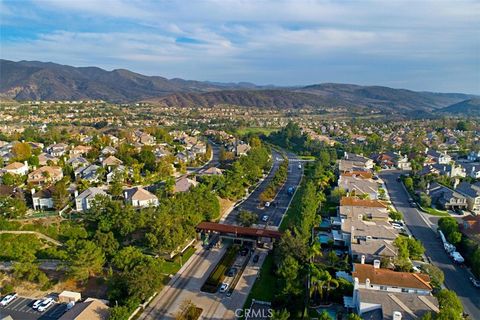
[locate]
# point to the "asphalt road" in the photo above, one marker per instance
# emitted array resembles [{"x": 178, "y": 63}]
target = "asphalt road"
[
  {"x": 281, "y": 202},
  {"x": 214, "y": 162},
  {"x": 186, "y": 284},
  {"x": 456, "y": 277}
]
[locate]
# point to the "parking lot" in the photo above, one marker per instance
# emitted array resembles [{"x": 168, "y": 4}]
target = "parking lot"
[{"x": 21, "y": 309}]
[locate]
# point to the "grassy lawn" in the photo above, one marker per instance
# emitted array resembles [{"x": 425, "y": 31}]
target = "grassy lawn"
[
  {"x": 435, "y": 212},
  {"x": 172, "y": 267},
  {"x": 263, "y": 288},
  {"x": 256, "y": 130}
]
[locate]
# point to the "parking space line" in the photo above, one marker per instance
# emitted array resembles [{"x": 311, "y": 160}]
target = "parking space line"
[
  {"x": 26, "y": 306},
  {"x": 15, "y": 303}
]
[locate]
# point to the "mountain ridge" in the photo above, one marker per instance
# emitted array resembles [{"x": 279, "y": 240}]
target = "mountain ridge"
[{"x": 35, "y": 80}]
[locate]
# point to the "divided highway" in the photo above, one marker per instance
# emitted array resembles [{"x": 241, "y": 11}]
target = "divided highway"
[
  {"x": 186, "y": 284},
  {"x": 281, "y": 202},
  {"x": 456, "y": 277}
]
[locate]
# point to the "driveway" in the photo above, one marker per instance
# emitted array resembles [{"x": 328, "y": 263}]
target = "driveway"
[{"x": 422, "y": 228}]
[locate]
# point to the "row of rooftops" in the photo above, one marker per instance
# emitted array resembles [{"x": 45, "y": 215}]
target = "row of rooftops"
[{"x": 379, "y": 293}]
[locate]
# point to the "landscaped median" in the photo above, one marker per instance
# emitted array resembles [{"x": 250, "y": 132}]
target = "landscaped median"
[{"x": 218, "y": 274}]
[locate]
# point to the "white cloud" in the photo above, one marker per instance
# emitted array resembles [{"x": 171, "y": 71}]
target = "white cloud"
[{"x": 235, "y": 40}]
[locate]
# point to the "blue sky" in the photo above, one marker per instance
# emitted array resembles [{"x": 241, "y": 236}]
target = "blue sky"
[{"x": 419, "y": 45}]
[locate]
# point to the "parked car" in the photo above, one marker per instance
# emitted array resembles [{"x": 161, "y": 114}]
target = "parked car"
[
  {"x": 267, "y": 204},
  {"x": 256, "y": 258},
  {"x": 232, "y": 272},
  {"x": 299, "y": 166},
  {"x": 265, "y": 218},
  {"x": 7, "y": 299},
  {"x": 224, "y": 287},
  {"x": 475, "y": 282},
  {"x": 46, "y": 304},
  {"x": 37, "y": 303},
  {"x": 244, "y": 251}
]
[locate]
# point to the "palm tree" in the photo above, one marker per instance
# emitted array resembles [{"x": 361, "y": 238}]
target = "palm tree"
[
  {"x": 328, "y": 283},
  {"x": 321, "y": 282},
  {"x": 315, "y": 250}
]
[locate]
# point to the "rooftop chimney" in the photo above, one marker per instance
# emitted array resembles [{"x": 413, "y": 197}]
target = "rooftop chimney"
[{"x": 362, "y": 259}]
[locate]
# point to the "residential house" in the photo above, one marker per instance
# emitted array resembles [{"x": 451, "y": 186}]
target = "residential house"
[
  {"x": 393, "y": 160},
  {"x": 45, "y": 158},
  {"x": 89, "y": 173},
  {"x": 77, "y": 162},
  {"x": 16, "y": 168},
  {"x": 57, "y": 149},
  {"x": 144, "y": 138},
  {"x": 372, "y": 277},
  {"x": 472, "y": 193},
  {"x": 434, "y": 156},
  {"x": 363, "y": 209},
  {"x": 90, "y": 309},
  {"x": 45, "y": 174},
  {"x": 242, "y": 149},
  {"x": 111, "y": 162},
  {"x": 115, "y": 170},
  {"x": 369, "y": 250},
  {"x": 108, "y": 151},
  {"x": 470, "y": 226},
  {"x": 383, "y": 305},
  {"x": 43, "y": 199},
  {"x": 473, "y": 156},
  {"x": 471, "y": 169},
  {"x": 140, "y": 198},
  {"x": 84, "y": 200},
  {"x": 184, "y": 184},
  {"x": 212, "y": 171},
  {"x": 356, "y": 185},
  {"x": 79, "y": 150},
  {"x": 446, "y": 198},
  {"x": 356, "y": 160}
]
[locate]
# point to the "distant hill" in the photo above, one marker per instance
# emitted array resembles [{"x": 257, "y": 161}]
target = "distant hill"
[
  {"x": 33, "y": 80},
  {"x": 470, "y": 107}
]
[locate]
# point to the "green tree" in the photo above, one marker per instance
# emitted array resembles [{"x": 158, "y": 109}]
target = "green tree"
[
  {"x": 247, "y": 218},
  {"x": 21, "y": 151},
  {"x": 395, "y": 215},
  {"x": 60, "y": 195},
  {"x": 116, "y": 186},
  {"x": 436, "y": 274},
  {"x": 85, "y": 259},
  {"x": 448, "y": 299},
  {"x": 107, "y": 241},
  {"x": 425, "y": 200},
  {"x": 408, "y": 183},
  {"x": 12, "y": 208},
  {"x": 353, "y": 316}
]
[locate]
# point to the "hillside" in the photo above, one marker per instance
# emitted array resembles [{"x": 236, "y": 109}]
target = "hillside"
[
  {"x": 470, "y": 107},
  {"x": 33, "y": 80}
]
